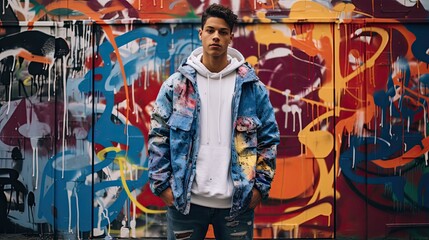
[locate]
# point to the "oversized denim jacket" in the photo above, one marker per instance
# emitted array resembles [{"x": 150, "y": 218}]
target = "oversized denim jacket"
[{"x": 174, "y": 138}]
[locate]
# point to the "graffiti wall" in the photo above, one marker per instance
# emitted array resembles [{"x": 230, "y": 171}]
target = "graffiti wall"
[{"x": 349, "y": 81}]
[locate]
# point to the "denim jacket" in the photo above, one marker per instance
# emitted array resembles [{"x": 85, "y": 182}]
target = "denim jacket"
[{"x": 174, "y": 138}]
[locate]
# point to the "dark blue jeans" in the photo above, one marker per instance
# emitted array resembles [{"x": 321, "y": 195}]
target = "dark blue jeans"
[{"x": 195, "y": 224}]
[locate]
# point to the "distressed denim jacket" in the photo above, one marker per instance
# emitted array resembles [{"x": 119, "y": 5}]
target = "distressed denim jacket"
[{"x": 174, "y": 138}]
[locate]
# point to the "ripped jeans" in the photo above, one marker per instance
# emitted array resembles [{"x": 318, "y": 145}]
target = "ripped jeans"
[{"x": 196, "y": 223}]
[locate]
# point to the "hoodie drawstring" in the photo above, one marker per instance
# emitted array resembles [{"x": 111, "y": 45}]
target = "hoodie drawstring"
[
  {"x": 219, "y": 108},
  {"x": 207, "y": 107}
]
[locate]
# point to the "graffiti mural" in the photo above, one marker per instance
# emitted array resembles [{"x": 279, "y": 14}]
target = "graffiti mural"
[{"x": 349, "y": 81}]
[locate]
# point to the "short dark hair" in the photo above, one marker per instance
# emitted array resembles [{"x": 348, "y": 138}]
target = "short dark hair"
[{"x": 219, "y": 11}]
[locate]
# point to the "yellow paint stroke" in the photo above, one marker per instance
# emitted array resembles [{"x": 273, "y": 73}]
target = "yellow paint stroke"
[
  {"x": 304, "y": 9},
  {"x": 120, "y": 161},
  {"x": 101, "y": 154},
  {"x": 124, "y": 184},
  {"x": 342, "y": 81},
  {"x": 267, "y": 34},
  {"x": 27, "y": 81},
  {"x": 319, "y": 142},
  {"x": 309, "y": 101},
  {"x": 324, "y": 189},
  {"x": 304, "y": 38},
  {"x": 324, "y": 209},
  {"x": 347, "y": 125},
  {"x": 262, "y": 17}
]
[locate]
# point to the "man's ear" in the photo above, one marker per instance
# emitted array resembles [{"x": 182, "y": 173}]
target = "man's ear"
[
  {"x": 200, "y": 31},
  {"x": 231, "y": 37}
]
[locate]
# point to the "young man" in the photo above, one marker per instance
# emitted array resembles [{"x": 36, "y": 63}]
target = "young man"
[{"x": 213, "y": 138}]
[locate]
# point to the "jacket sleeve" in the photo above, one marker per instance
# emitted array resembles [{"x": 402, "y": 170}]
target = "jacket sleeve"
[
  {"x": 268, "y": 139},
  {"x": 159, "y": 140}
]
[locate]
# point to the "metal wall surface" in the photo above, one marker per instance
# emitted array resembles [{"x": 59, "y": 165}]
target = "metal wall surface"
[{"x": 349, "y": 81}]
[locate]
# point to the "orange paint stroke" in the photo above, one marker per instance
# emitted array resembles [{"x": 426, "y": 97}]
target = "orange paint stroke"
[
  {"x": 406, "y": 158},
  {"x": 111, "y": 9},
  {"x": 409, "y": 36},
  {"x": 83, "y": 7},
  {"x": 108, "y": 31},
  {"x": 319, "y": 144},
  {"x": 348, "y": 125},
  {"x": 294, "y": 177},
  {"x": 419, "y": 69},
  {"x": 305, "y": 44},
  {"x": 34, "y": 58},
  {"x": 409, "y": 90}
]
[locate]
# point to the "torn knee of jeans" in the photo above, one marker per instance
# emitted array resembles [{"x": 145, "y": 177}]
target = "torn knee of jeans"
[
  {"x": 186, "y": 234},
  {"x": 232, "y": 223},
  {"x": 239, "y": 234}
]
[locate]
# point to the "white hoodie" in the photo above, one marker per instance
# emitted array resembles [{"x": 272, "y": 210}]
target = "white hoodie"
[{"x": 212, "y": 186}]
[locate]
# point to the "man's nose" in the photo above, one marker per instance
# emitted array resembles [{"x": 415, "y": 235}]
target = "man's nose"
[{"x": 216, "y": 36}]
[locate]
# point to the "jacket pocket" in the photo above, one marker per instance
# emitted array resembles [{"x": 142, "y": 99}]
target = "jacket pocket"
[
  {"x": 246, "y": 143},
  {"x": 246, "y": 137},
  {"x": 179, "y": 121},
  {"x": 180, "y": 135}
]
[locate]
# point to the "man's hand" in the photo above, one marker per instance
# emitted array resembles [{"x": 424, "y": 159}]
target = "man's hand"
[
  {"x": 256, "y": 198},
  {"x": 167, "y": 197}
]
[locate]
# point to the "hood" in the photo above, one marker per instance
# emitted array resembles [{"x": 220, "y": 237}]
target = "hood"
[{"x": 235, "y": 59}]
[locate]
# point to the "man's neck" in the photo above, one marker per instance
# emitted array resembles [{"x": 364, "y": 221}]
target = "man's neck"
[{"x": 214, "y": 64}]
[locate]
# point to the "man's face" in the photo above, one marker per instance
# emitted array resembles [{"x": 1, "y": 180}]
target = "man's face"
[{"x": 215, "y": 36}]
